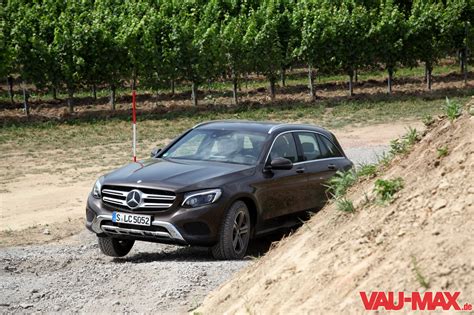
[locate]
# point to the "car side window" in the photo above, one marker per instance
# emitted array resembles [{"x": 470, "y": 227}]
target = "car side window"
[
  {"x": 285, "y": 147},
  {"x": 330, "y": 150},
  {"x": 312, "y": 149}
]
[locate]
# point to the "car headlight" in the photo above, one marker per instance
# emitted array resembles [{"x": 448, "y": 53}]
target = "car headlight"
[
  {"x": 97, "y": 188},
  {"x": 200, "y": 198}
]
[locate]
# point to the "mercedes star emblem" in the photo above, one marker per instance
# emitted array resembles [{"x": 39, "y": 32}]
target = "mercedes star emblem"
[{"x": 134, "y": 199}]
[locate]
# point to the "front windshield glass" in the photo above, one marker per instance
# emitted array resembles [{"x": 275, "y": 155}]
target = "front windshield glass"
[{"x": 229, "y": 146}]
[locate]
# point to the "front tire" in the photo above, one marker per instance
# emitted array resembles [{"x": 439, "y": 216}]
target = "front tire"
[
  {"x": 115, "y": 247},
  {"x": 234, "y": 234}
]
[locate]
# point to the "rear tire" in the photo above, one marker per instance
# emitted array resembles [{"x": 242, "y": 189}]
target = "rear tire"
[
  {"x": 234, "y": 234},
  {"x": 115, "y": 247}
]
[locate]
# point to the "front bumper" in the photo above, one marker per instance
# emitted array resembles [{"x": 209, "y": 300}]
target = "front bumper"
[
  {"x": 171, "y": 232},
  {"x": 182, "y": 226}
]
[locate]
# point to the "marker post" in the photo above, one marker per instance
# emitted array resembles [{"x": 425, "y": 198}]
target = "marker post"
[{"x": 134, "y": 125}]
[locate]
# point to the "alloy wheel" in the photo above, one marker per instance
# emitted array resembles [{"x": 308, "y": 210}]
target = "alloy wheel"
[{"x": 240, "y": 232}]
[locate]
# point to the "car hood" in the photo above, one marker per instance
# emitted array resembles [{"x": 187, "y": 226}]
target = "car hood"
[{"x": 177, "y": 175}]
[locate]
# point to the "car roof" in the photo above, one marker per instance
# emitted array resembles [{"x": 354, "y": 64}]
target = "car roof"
[{"x": 258, "y": 126}]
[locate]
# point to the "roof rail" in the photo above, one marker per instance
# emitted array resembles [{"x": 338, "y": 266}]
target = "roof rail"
[
  {"x": 203, "y": 123},
  {"x": 272, "y": 129},
  {"x": 220, "y": 121}
]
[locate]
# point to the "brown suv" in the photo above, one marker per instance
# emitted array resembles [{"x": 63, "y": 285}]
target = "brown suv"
[{"x": 219, "y": 184}]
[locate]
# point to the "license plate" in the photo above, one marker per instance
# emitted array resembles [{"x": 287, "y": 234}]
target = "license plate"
[{"x": 128, "y": 218}]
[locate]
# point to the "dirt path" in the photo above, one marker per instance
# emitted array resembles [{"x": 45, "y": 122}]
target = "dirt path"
[{"x": 71, "y": 275}]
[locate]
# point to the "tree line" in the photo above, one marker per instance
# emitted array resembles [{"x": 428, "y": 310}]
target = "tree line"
[{"x": 72, "y": 44}]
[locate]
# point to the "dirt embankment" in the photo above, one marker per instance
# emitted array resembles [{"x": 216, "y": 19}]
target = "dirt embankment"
[{"x": 422, "y": 241}]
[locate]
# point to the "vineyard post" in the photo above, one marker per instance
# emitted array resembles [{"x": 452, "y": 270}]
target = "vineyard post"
[{"x": 25, "y": 100}]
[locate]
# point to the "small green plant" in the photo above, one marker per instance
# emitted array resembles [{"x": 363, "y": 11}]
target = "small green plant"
[
  {"x": 384, "y": 159},
  {"x": 411, "y": 137},
  {"x": 340, "y": 182},
  {"x": 397, "y": 146},
  {"x": 367, "y": 170},
  {"x": 452, "y": 109},
  {"x": 428, "y": 120},
  {"x": 9, "y": 232},
  {"x": 386, "y": 188},
  {"x": 442, "y": 152},
  {"x": 345, "y": 205},
  {"x": 400, "y": 146},
  {"x": 419, "y": 277}
]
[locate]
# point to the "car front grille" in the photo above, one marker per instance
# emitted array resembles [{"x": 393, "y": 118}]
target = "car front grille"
[{"x": 151, "y": 199}]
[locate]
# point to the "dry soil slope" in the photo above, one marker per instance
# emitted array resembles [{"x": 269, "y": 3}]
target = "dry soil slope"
[{"x": 322, "y": 268}]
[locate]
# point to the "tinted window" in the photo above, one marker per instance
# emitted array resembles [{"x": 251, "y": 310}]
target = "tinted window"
[
  {"x": 190, "y": 147},
  {"x": 285, "y": 147},
  {"x": 229, "y": 146},
  {"x": 330, "y": 150},
  {"x": 311, "y": 148}
]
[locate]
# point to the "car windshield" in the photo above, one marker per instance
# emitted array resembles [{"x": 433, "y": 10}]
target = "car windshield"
[{"x": 228, "y": 146}]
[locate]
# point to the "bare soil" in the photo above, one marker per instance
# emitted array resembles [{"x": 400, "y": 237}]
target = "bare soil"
[{"x": 422, "y": 241}]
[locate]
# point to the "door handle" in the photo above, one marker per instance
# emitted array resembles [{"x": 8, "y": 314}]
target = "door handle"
[
  {"x": 300, "y": 170},
  {"x": 331, "y": 166}
]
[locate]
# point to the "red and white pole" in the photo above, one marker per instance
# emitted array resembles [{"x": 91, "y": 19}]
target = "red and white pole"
[{"x": 134, "y": 125}]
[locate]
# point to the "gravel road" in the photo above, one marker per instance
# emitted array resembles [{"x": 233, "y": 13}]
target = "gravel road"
[{"x": 73, "y": 276}]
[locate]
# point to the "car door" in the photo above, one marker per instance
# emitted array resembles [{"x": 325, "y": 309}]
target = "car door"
[
  {"x": 322, "y": 160},
  {"x": 282, "y": 191},
  {"x": 316, "y": 170}
]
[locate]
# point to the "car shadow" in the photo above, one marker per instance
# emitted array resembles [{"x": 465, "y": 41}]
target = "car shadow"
[{"x": 257, "y": 248}]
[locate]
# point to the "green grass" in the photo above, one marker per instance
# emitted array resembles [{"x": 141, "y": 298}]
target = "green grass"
[
  {"x": 411, "y": 137},
  {"x": 386, "y": 189},
  {"x": 345, "y": 205},
  {"x": 442, "y": 152},
  {"x": 452, "y": 109},
  {"x": 159, "y": 128},
  {"x": 402, "y": 145},
  {"x": 425, "y": 283},
  {"x": 298, "y": 77},
  {"x": 398, "y": 146},
  {"x": 338, "y": 185},
  {"x": 367, "y": 170},
  {"x": 99, "y": 144},
  {"x": 427, "y": 120}
]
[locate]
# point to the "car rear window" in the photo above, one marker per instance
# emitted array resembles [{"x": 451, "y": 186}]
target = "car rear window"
[{"x": 328, "y": 148}]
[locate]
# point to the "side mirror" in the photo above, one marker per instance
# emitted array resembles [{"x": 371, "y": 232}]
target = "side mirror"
[
  {"x": 281, "y": 164},
  {"x": 154, "y": 152}
]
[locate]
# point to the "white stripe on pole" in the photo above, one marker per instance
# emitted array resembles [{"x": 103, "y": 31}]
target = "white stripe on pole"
[
  {"x": 134, "y": 142},
  {"x": 134, "y": 124}
]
